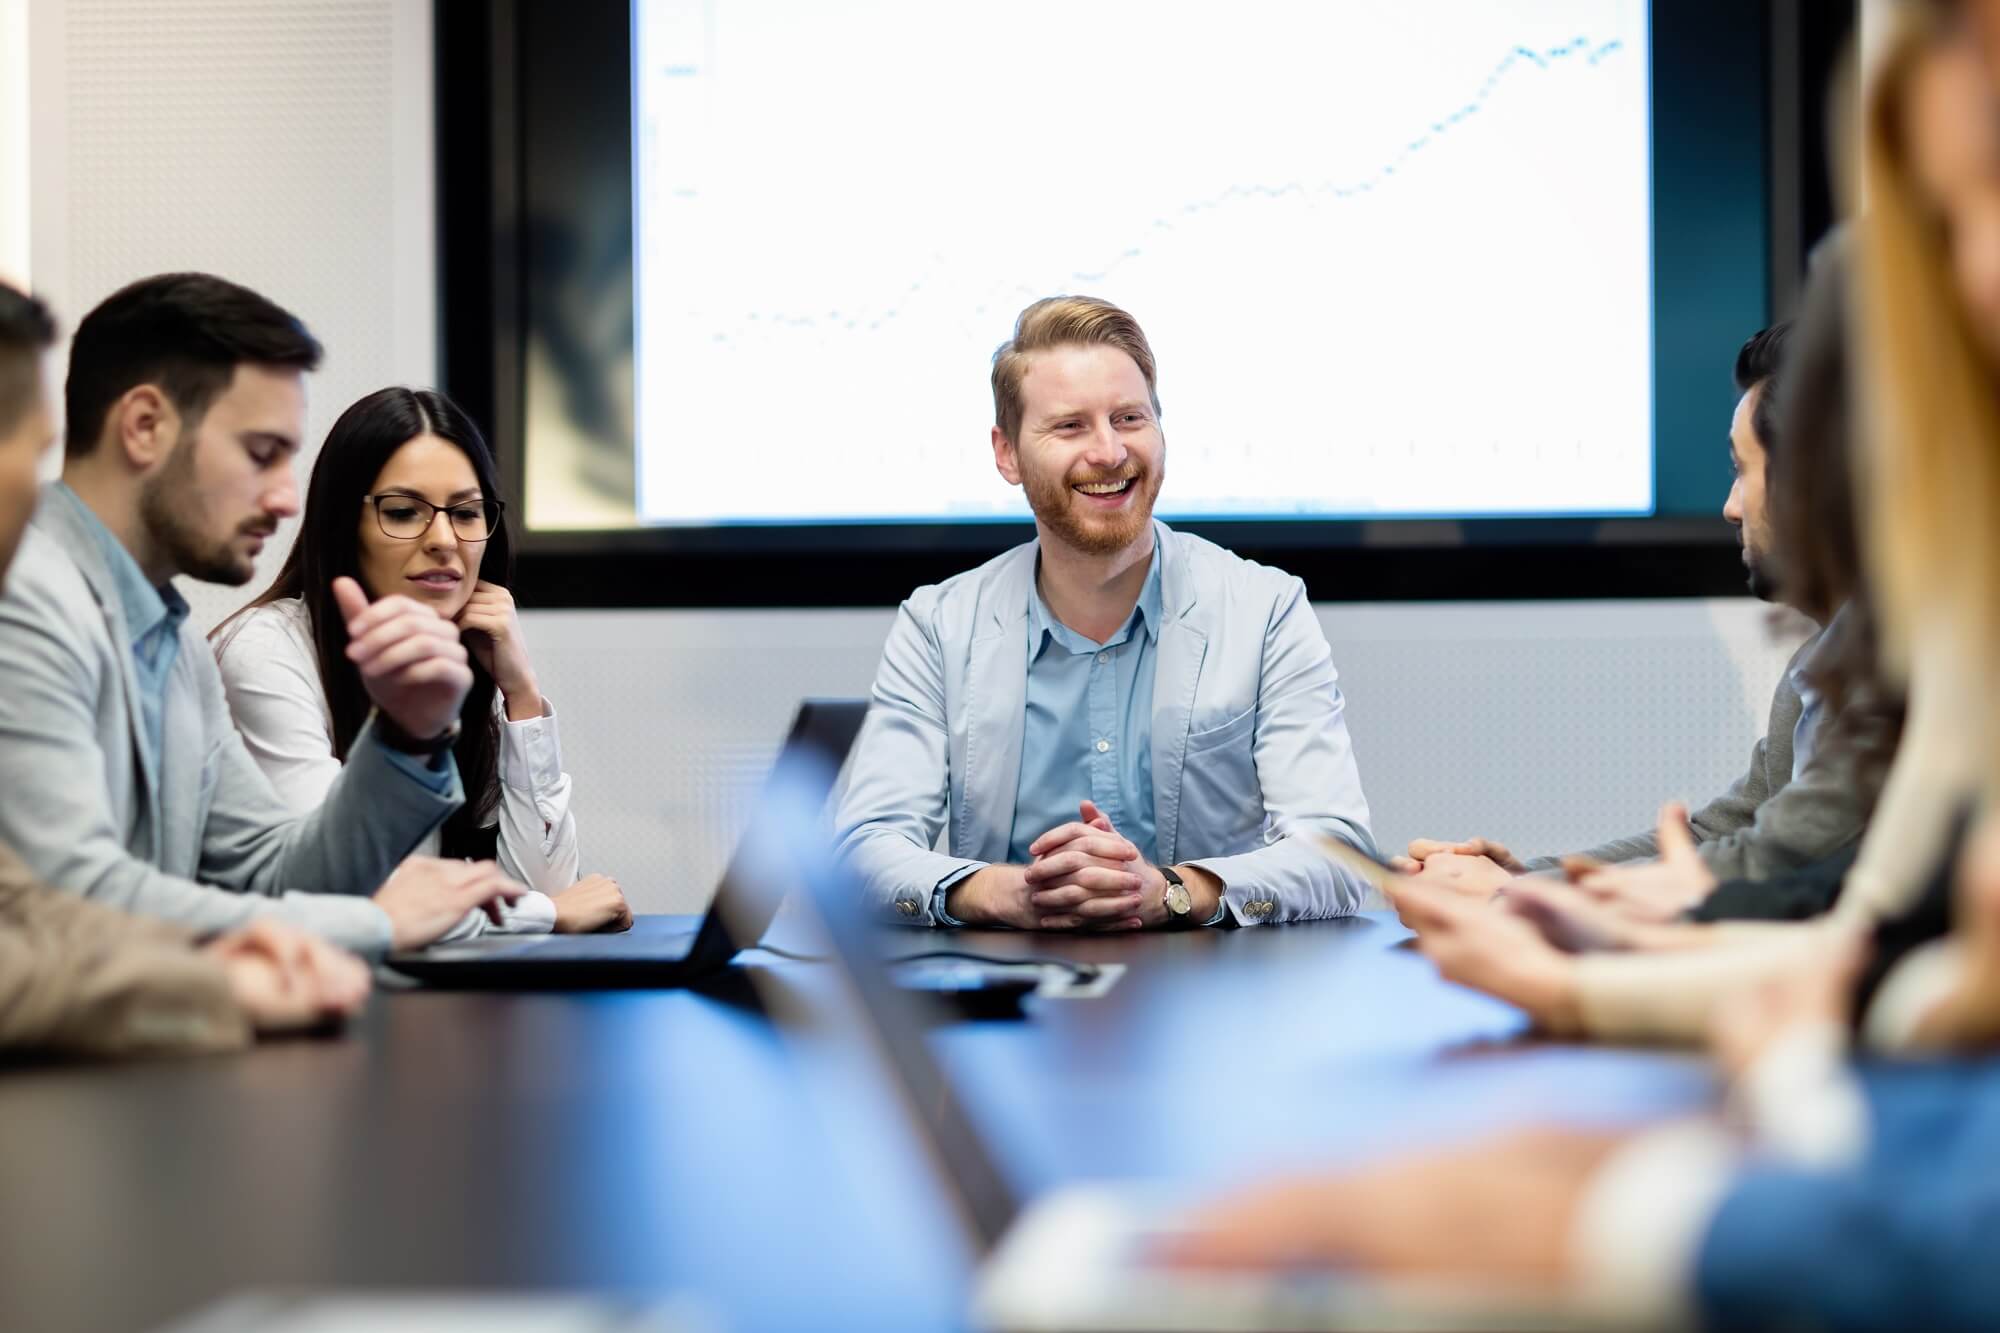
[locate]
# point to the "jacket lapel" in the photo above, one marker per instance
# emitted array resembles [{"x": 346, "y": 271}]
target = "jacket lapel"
[
  {"x": 57, "y": 515},
  {"x": 1182, "y": 647},
  {"x": 996, "y": 691}
]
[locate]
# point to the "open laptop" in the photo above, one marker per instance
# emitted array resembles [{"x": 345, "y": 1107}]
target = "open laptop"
[
  {"x": 658, "y": 951},
  {"x": 1076, "y": 1258}
]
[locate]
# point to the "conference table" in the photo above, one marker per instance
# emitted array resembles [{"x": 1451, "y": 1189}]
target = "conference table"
[{"x": 680, "y": 1149}]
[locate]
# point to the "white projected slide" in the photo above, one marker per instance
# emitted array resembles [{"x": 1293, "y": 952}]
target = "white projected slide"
[{"x": 1394, "y": 258}]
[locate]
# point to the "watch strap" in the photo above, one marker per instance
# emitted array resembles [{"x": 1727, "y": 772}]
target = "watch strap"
[{"x": 1176, "y": 920}]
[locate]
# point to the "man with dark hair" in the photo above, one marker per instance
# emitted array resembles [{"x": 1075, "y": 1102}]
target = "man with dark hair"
[
  {"x": 1753, "y": 435},
  {"x": 125, "y": 780},
  {"x": 186, "y": 340},
  {"x": 80, "y": 978},
  {"x": 1781, "y": 815}
]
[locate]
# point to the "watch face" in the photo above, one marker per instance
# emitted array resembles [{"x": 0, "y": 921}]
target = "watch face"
[{"x": 1179, "y": 901}]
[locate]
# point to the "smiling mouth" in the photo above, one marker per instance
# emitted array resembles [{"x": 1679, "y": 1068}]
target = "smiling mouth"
[{"x": 1105, "y": 489}]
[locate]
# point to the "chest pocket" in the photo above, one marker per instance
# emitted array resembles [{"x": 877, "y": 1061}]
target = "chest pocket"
[
  {"x": 1236, "y": 731},
  {"x": 1222, "y": 805}
]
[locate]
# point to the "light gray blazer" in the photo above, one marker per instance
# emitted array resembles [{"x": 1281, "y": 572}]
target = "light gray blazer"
[
  {"x": 1250, "y": 750},
  {"x": 205, "y": 841}
]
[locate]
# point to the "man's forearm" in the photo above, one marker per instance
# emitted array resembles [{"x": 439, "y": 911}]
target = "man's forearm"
[{"x": 983, "y": 897}]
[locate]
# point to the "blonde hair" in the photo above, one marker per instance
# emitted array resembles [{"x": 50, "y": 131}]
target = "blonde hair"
[
  {"x": 1931, "y": 464},
  {"x": 1063, "y": 321}
]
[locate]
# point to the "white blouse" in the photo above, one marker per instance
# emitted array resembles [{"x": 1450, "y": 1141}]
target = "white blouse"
[{"x": 271, "y": 676}]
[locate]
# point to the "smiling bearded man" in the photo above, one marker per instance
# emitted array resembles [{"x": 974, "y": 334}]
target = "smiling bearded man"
[{"x": 1131, "y": 727}]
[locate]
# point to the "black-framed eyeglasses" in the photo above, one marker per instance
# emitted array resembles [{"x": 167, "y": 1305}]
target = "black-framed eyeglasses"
[{"x": 406, "y": 518}]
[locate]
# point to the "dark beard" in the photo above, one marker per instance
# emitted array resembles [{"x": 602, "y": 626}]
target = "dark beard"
[
  {"x": 1764, "y": 585},
  {"x": 1051, "y": 503},
  {"x": 170, "y": 507}
]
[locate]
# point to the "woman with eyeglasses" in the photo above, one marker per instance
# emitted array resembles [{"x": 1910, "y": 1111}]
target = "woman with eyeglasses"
[{"x": 404, "y": 498}]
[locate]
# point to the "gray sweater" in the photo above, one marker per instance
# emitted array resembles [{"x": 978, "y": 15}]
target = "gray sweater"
[{"x": 1767, "y": 822}]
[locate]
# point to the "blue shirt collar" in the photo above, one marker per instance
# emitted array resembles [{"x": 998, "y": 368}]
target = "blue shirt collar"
[
  {"x": 147, "y": 608},
  {"x": 1043, "y": 625}
]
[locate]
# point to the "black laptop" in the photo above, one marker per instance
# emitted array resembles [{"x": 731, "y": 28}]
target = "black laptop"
[
  {"x": 658, "y": 951},
  {"x": 1076, "y": 1258}
]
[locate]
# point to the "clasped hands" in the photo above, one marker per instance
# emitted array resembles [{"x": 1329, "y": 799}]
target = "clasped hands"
[{"x": 1084, "y": 875}]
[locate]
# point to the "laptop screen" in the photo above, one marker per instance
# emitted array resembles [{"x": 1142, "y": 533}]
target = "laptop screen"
[
  {"x": 823, "y": 730},
  {"x": 881, "y": 1023}
]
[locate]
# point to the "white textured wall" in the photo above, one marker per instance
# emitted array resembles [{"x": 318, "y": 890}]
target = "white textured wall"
[
  {"x": 14, "y": 266},
  {"x": 1550, "y": 724},
  {"x": 287, "y": 144}
]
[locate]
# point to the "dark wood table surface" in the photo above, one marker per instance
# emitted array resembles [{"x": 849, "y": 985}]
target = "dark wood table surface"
[{"x": 669, "y": 1143}]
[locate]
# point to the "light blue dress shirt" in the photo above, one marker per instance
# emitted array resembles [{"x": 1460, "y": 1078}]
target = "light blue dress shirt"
[
  {"x": 153, "y": 617},
  {"x": 1086, "y": 731}
]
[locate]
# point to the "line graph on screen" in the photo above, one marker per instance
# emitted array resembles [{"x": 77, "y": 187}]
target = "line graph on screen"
[{"x": 1307, "y": 245}]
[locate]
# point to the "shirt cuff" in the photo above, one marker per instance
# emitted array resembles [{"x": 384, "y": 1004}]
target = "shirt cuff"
[
  {"x": 1221, "y": 908},
  {"x": 434, "y": 780},
  {"x": 530, "y": 914},
  {"x": 940, "y": 917},
  {"x": 531, "y": 751},
  {"x": 1252, "y": 911},
  {"x": 1638, "y": 1230},
  {"x": 1799, "y": 1103}
]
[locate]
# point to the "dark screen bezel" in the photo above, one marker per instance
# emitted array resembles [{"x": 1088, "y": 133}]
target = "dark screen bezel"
[{"x": 1702, "y": 112}]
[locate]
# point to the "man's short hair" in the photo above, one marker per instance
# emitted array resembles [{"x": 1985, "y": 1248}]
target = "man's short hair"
[
  {"x": 1761, "y": 360},
  {"x": 26, "y": 331},
  {"x": 186, "y": 333},
  {"x": 1063, "y": 321}
]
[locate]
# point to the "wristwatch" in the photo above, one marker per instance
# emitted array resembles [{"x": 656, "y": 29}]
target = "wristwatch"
[
  {"x": 393, "y": 736},
  {"x": 1180, "y": 903}
]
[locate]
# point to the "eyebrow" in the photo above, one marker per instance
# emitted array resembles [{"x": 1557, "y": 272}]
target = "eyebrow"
[
  {"x": 284, "y": 442},
  {"x": 1131, "y": 405},
  {"x": 455, "y": 498}
]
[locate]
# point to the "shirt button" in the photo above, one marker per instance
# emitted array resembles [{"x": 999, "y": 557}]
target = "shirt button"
[
  {"x": 1102, "y": 658},
  {"x": 1102, "y": 746}
]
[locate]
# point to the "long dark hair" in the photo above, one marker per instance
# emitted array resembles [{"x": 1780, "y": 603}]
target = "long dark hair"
[
  {"x": 328, "y": 546},
  {"x": 1811, "y": 492}
]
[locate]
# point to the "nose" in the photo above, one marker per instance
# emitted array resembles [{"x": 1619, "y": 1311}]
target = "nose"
[
  {"x": 282, "y": 501},
  {"x": 439, "y": 536},
  {"x": 1105, "y": 450},
  {"x": 1732, "y": 508}
]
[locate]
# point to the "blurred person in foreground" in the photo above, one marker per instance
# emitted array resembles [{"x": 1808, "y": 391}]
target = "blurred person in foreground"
[{"x": 1824, "y": 1200}]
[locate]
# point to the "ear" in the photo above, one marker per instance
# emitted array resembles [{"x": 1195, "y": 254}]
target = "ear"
[
  {"x": 144, "y": 426},
  {"x": 1005, "y": 458}
]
